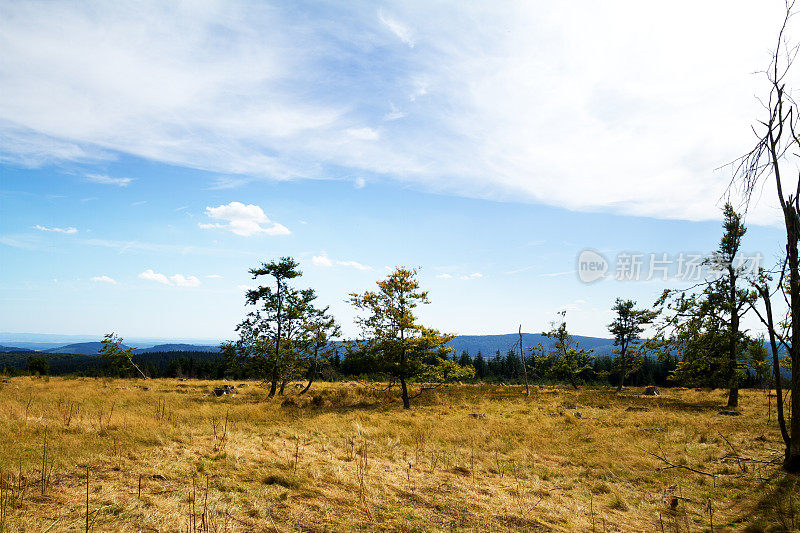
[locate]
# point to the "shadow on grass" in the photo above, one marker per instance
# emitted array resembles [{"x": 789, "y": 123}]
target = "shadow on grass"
[{"x": 778, "y": 507}]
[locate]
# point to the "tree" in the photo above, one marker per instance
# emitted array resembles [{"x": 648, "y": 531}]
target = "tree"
[
  {"x": 479, "y": 364},
  {"x": 704, "y": 326},
  {"x": 465, "y": 359},
  {"x": 117, "y": 359},
  {"x": 393, "y": 342},
  {"x": 319, "y": 329},
  {"x": 565, "y": 359},
  {"x": 266, "y": 334},
  {"x": 38, "y": 366},
  {"x": 771, "y": 158},
  {"x": 626, "y": 328}
]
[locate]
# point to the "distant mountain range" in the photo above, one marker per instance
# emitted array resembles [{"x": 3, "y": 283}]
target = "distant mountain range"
[
  {"x": 487, "y": 345},
  {"x": 92, "y": 348}
]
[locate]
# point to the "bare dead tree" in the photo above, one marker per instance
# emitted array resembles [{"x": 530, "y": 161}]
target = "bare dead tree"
[{"x": 775, "y": 150}]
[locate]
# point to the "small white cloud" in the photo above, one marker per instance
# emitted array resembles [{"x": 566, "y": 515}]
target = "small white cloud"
[
  {"x": 359, "y": 183},
  {"x": 214, "y": 276},
  {"x": 363, "y": 134},
  {"x": 321, "y": 260},
  {"x": 181, "y": 208},
  {"x": 108, "y": 180},
  {"x": 189, "y": 281},
  {"x": 244, "y": 220},
  {"x": 155, "y": 276},
  {"x": 474, "y": 275},
  {"x": 245, "y": 288},
  {"x": 357, "y": 266},
  {"x": 178, "y": 280},
  {"x": 68, "y": 231},
  {"x": 444, "y": 276},
  {"x": 394, "y": 114},
  {"x": 142, "y": 202},
  {"x": 400, "y": 30},
  {"x": 104, "y": 279}
]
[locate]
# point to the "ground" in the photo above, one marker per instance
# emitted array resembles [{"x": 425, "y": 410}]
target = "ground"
[{"x": 169, "y": 455}]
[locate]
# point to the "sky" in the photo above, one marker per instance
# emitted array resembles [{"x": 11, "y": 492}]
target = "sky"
[{"x": 152, "y": 152}]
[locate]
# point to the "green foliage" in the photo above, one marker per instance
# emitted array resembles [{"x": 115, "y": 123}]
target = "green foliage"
[
  {"x": 627, "y": 327},
  {"x": 393, "y": 343},
  {"x": 117, "y": 360},
  {"x": 703, "y": 325},
  {"x": 565, "y": 359},
  {"x": 285, "y": 331},
  {"x": 38, "y": 366}
]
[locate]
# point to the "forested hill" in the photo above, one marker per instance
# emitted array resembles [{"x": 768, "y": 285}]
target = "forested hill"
[{"x": 488, "y": 345}]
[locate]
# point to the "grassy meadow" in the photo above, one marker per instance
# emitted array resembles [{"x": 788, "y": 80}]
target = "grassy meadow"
[{"x": 169, "y": 455}]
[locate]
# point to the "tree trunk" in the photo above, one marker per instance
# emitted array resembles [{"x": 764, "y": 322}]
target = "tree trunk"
[
  {"x": 624, "y": 364},
  {"x": 273, "y": 381},
  {"x": 312, "y": 373},
  {"x": 283, "y": 386},
  {"x": 733, "y": 377},
  {"x": 404, "y": 393},
  {"x": 792, "y": 460}
]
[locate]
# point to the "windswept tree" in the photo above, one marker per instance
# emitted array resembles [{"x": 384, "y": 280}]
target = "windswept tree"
[
  {"x": 704, "y": 325},
  {"x": 394, "y": 344},
  {"x": 319, "y": 329},
  {"x": 117, "y": 358},
  {"x": 627, "y": 328},
  {"x": 272, "y": 336},
  {"x": 564, "y": 359}
]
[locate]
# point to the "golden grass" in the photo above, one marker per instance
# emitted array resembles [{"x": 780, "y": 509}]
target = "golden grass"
[{"x": 347, "y": 457}]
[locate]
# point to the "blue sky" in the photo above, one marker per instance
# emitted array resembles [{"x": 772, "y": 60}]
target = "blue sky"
[{"x": 150, "y": 155}]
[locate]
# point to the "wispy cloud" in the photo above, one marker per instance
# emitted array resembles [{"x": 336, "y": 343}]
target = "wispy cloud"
[
  {"x": 354, "y": 264},
  {"x": 108, "y": 180},
  {"x": 400, "y": 30},
  {"x": 104, "y": 279},
  {"x": 523, "y": 103},
  {"x": 474, "y": 275},
  {"x": 69, "y": 231},
  {"x": 243, "y": 220},
  {"x": 444, "y": 276},
  {"x": 556, "y": 274}
]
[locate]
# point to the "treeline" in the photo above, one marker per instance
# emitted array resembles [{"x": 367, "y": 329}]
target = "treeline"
[{"x": 498, "y": 368}]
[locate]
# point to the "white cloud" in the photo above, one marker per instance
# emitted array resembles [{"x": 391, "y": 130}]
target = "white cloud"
[
  {"x": 178, "y": 280},
  {"x": 444, "y": 276},
  {"x": 400, "y": 30},
  {"x": 321, "y": 260},
  {"x": 188, "y": 281},
  {"x": 68, "y": 231},
  {"x": 245, "y": 288},
  {"x": 474, "y": 275},
  {"x": 359, "y": 182},
  {"x": 104, "y": 279},
  {"x": 214, "y": 276},
  {"x": 154, "y": 276},
  {"x": 363, "y": 134},
  {"x": 244, "y": 220},
  {"x": 532, "y": 103},
  {"x": 394, "y": 114},
  {"x": 108, "y": 180},
  {"x": 354, "y": 264}
]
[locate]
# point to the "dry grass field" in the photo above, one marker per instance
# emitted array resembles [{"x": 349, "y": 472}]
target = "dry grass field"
[{"x": 168, "y": 455}]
